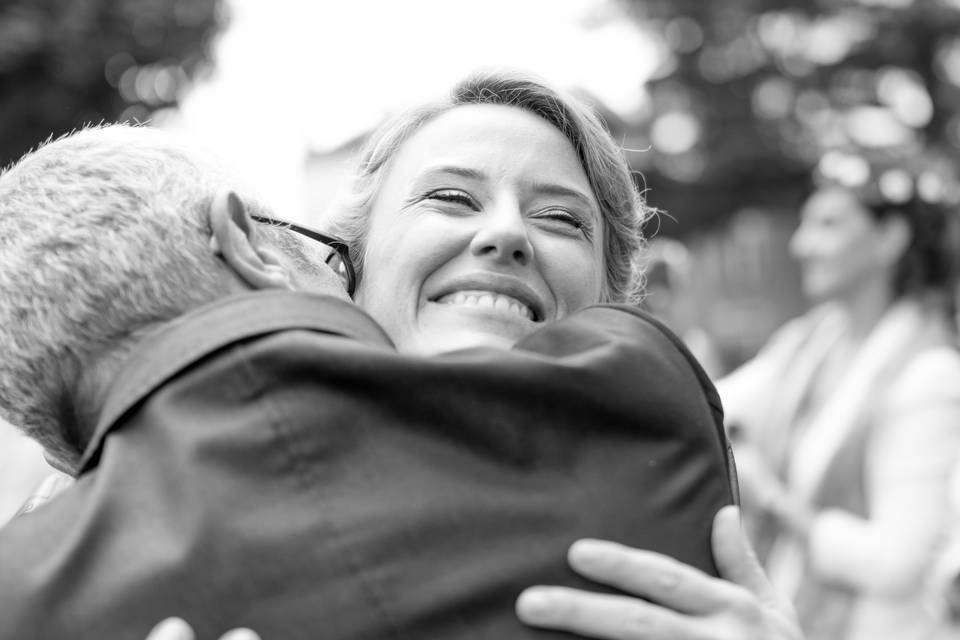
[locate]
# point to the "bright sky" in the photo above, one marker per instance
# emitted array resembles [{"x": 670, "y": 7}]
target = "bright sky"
[{"x": 293, "y": 75}]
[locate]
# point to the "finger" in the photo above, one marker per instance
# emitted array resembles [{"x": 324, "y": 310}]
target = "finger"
[
  {"x": 737, "y": 561},
  {"x": 240, "y": 634},
  {"x": 651, "y": 575},
  {"x": 604, "y": 616},
  {"x": 171, "y": 629}
]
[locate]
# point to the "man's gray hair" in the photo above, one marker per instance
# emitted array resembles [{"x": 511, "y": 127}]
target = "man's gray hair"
[{"x": 103, "y": 233}]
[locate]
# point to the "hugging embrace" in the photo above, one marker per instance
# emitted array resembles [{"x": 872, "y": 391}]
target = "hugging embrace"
[{"x": 392, "y": 428}]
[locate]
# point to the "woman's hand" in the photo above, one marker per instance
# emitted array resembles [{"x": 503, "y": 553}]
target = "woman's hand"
[
  {"x": 178, "y": 629},
  {"x": 684, "y": 603}
]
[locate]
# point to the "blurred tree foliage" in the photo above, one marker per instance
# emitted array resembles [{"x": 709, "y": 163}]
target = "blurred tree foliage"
[
  {"x": 66, "y": 63},
  {"x": 752, "y": 95}
]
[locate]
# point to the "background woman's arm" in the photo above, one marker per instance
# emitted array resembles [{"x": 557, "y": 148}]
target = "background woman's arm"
[{"x": 908, "y": 468}]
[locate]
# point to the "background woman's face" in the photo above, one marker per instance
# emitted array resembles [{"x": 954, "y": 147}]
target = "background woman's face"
[
  {"x": 838, "y": 245},
  {"x": 484, "y": 228}
]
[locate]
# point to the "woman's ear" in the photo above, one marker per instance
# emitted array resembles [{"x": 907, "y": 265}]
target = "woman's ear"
[{"x": 234, "y": 237}]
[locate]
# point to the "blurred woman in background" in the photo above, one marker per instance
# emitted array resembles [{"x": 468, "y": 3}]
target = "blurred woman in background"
[{"x": 847, "y": 423}]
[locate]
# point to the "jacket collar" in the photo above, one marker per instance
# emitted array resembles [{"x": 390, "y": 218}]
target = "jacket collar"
[{"x": 185, "y": 340}]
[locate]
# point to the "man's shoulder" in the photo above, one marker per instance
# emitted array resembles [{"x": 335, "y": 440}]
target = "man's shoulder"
[
  {"x": 209, "y": 332},
  {"x": 240, "y": 318},
  {"x": 624, "y": 332}
]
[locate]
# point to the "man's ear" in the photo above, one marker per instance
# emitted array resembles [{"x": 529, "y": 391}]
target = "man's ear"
[{"x": 234, "y": 237}]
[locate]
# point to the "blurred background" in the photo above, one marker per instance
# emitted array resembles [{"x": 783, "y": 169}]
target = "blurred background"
[{"x": 725, "y": 107}]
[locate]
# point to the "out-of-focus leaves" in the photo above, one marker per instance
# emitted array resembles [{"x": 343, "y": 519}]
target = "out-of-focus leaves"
[
  {"x": 67, "y": 63},
  {"x": 771, "y": 86}
]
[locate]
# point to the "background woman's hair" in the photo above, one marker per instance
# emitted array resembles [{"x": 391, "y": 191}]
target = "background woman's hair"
[
  {"x": 623, "y": 208},
  {"x": 929, "y": 264}
]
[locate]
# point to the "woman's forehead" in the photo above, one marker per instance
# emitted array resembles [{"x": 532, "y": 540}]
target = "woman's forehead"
[{"x": 488, "y": 141}]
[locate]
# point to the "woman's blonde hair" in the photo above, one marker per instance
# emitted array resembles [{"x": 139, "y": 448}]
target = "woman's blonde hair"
[{"x": 623, "y": 208}]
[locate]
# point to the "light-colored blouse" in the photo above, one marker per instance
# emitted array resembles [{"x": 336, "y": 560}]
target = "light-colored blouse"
[{"x": 896, "y": 409}]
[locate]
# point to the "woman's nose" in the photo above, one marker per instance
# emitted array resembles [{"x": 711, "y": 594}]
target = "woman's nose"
[{"x": 503, "y": 235}]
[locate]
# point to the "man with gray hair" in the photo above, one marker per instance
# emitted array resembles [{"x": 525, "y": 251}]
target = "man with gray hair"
[
  {"x": 105, "y": 235},
  {"x": 250, "y": 449}
]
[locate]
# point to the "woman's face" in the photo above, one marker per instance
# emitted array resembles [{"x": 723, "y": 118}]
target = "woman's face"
[
  {"x": 838, "y": 245},
  {"x": 484, "y": 228}
]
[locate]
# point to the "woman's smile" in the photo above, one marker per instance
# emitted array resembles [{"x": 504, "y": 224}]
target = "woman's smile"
[
  {"x": 477, "y": 318},
  {"x": 493, "y": 292},
  {"x": 487, "y": 301}
]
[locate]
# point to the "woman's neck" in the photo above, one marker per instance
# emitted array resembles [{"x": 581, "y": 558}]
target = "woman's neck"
[{"x": 865, "y": 307}]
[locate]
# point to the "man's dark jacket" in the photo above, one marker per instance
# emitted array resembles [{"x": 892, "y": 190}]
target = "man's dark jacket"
[{"x": 271, "y": 461}]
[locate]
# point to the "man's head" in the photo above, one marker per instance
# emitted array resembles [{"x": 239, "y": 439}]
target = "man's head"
[{"x": 105, "y": 234}]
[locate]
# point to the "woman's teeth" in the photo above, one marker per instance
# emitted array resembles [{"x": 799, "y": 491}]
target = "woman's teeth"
[{"x": 489, "y": 301}]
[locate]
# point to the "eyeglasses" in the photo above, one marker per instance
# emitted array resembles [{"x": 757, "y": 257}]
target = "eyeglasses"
[{"x": 339, "y": 258}]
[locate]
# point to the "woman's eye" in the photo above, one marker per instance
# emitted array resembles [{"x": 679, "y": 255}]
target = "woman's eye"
[
  {"x": 454, "y": 196},
  {"x": 566, "y": 219},
  {"x": 563, "y": 216}
]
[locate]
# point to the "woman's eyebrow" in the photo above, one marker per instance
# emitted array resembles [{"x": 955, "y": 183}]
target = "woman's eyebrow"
[
  {"x": 463, "y": 172},
  {"x": 553, "y": 189}
]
